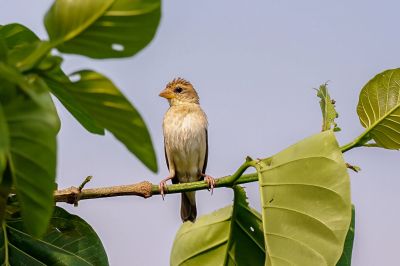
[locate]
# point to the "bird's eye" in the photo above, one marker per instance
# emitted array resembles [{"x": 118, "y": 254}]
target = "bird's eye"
[{"x": 178, "y": 90}]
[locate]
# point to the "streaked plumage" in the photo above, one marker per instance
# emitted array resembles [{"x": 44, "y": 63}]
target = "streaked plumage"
[{"x": 186, "y": 141}]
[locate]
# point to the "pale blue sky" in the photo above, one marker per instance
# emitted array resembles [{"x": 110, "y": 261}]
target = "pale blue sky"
[{"x": 254, "y": 64}]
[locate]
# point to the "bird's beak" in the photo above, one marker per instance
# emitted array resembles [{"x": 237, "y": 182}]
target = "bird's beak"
[{"x": 167, "y": 94}]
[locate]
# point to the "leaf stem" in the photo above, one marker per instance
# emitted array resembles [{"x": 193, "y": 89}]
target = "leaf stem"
[
  {"x": 358, "y": 142},
  {"x": 6, "y": 255}
]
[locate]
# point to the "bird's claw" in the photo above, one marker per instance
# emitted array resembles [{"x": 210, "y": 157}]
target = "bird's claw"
[
  {"x": 163, "y": 187},
  {"x": 211, "y": 183}
]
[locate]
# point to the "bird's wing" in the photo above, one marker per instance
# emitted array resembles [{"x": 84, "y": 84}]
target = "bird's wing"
[
  {"x": 174, "y": 179},
  {"x": 206, "y": 154}
]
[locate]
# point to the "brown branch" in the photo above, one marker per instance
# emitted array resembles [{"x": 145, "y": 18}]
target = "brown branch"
[
  {"x": 72, "y": 195},
  {"x": 146, "y": 189}
]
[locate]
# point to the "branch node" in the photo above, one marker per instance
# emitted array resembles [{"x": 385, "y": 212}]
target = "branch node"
[
  {"x": 144, "y": 188},
  {"x": 73, "y": 195}
]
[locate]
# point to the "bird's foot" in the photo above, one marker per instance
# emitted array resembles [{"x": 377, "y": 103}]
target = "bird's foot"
[
  {"x": 210, "y": 181},
  {"x": 163, "y": 186}
]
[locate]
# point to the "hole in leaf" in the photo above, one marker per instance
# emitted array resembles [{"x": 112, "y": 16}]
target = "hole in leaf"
[
  {"x": 55, "y": 52},
  {"x": 251, "y": 228},
  {"x": 117, "y": 47},
  {"x": 75, "y": 77}
]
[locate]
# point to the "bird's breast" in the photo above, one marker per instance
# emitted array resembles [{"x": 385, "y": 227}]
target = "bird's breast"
[{"x": 185, "y": 137}]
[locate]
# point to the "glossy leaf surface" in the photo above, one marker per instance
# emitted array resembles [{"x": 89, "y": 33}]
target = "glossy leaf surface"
[
  {"x": 379, "y": 109},
  {"x": 69, "y": 240},
  {"x": 109, "y": 108},
  {"x": 32, "y": 124},
  {"x": 56, "y": 82},
  {"x": 25, "y": 48},
  {"x": 102, "y": 29},
  {"x": 228, "y": 236}
]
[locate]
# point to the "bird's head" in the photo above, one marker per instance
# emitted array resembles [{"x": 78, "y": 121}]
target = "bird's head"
[{"x": 180, "y": 91}]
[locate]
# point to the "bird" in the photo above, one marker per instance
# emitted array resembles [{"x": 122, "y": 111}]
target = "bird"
[{"x": 185, "y": 129}]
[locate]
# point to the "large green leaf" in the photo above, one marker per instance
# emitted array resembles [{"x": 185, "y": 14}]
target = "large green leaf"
[
  {"x": 32, "y": 125},
  {"x": 379, "y": 109},
  {"x": 229, "y": 236},
  {"x": 306, "y": 207},
  {"x": 345, "y": 259},
  {"x": 69, "y": 240},
  {"x": 102, "y": 29},
  {"x": 56, "y": 81},
  {"x": 109, "y": 108}
]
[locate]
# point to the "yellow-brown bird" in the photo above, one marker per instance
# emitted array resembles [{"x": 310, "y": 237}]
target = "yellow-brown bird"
[{"x": 185, "y": 142}]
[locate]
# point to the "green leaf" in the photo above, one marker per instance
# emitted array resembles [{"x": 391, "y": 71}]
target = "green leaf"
[
  {"x": 102, "y": 29},
  {"x": 32, "y": 126},
  {"x": 25, "y": 48},
  {"x": 13, "y": 76},
  {"x": 327, "y": 104},
  {"x": 379, "y": 109},
  {"x": 110, "y": 110},
  {"x": 69, "y": 240},
  {"x": 97, "y": 104},
  {"x": 56, "y": 80},
  {"x": 305, "y": 197},
  {"x": 229, "y": 236},
  {"x": 4, "y": 142},
  {"x": 345, "y": 260},
  {"x": 3, "y": 50},
  {"x": 16, "y": 34}
]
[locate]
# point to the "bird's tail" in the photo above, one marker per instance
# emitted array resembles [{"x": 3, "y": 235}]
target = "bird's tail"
[{"x": 188, "y": 206}]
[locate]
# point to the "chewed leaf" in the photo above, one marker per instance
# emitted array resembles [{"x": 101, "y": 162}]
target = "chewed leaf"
[
  {"x": 102, "y": 29},
  {"x": 327, "y": 104}
]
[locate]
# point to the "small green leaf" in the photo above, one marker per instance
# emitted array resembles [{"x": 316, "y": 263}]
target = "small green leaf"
[
  {"x": 229, "y": 236},
  {"x": 379, "y": 109},
  {"x": 69, "y": 240},
  {"x": 305, "y": 197},
  {"x": 25, "y": 48},
  {"x": 16, "y": 34},
  {"x": 102, "y": 29},
  {"x": 329, "y": 113},
  {"x": 33, "y": 126},
  {"x": 345, "y": 260}
]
